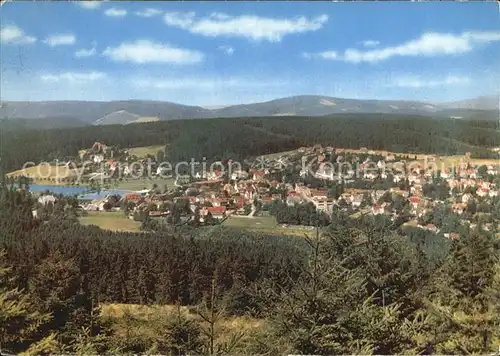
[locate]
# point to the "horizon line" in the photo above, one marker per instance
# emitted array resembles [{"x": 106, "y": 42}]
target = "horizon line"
[{"x": 222, "y": 106}]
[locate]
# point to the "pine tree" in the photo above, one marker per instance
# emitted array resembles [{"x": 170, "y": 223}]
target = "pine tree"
[
  {"x": 348, "y": 301},
  {"x": 182, "y": 335},
  {"x": 465, "y": 298},
  {"x": 58, "y": 288},
  {"x": 20, "y": 320},
  {"x": 212, "y": 312}
]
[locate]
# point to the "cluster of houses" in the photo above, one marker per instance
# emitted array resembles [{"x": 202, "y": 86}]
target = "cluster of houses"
[{"x": 245, "y": 192}]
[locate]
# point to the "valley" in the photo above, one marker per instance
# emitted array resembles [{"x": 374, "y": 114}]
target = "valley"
[{"x": 243, "y": 178}]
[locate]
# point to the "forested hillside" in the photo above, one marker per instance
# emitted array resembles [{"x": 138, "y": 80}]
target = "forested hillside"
[
  {"x": 41, "y": 124},
  {"x": 243, "y": 137},
  {"x": 360, "y": 287},
  {"x": 96, "y": 112}
]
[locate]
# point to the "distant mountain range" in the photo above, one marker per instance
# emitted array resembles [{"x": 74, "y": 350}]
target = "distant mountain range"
[
  {"x": 480, "y": 103},
  {"x": 77, "y": 113}
]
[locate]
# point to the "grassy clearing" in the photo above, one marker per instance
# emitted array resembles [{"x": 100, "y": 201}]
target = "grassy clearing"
[
  {"x": 114, "y": 221},
  {"x": 139, "y": 184},
  {"x": 265, "y": 224},
  {"x": 441, "y": 161},
  {"x": 412, "y": 223},
  {"x": 141, "y": 152},
  {"x": 277, "y": 155},
  {"x": 146, "y": 315},
  {"x": 143, "y": 119},
  {"x": 258, "y": 222},
  {"x": 45, "y": 171},
  {"x": 454, "y": 161}
]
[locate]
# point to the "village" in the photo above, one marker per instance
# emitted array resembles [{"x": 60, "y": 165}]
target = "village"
[{"x": 367, "y": 182}]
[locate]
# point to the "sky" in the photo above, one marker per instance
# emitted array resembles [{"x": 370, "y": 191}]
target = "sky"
[{"x": 225, "y": 53}]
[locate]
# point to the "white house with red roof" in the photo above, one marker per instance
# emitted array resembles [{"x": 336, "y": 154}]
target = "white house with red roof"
[
  {"x": 324, "y": 203},
  {"x": 492, "y": 170},
  {"x": 458, "y": 208},
  {"x": 98, "y": 159},
  {"x": 250, "y": 194},
  {"x": 293, "y": 198},
  {"x": 378, "y": 209},
  {"x": 398, "y": 178},
  {"x": 133, "y": 197},
  {"x": 482, "y": 192},
  {"x": 455, "y": 183},
  {"x": 258, "y": 175},
  {"x": 415, "y": 201},
  {"x": 215, "y": 175},
  {"x": 356, "y": 200},
  {"x": 318, "y": 193},
  {"x": 445, "y": 174},
  {"x": 466, "y": 197},
  {"x": 472, "y": 173},
  {"x": 432, "y": 227},
  {"x": 452, "y": 235},
  {"x": 217, "y": 212},
  {"x": 414, "y": 178},
  {"x": 240, "y": 174},
  {"x": 371, "y": 175}
]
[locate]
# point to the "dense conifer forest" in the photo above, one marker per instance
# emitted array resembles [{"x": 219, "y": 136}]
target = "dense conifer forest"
[
  {"x": 358, "y": 286},
  {"x": 243, "y": 137},
  {"x": 361, "y": 285}
]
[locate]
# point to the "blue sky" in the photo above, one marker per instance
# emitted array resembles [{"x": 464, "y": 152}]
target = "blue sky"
[{"x": 219, "y": 53}]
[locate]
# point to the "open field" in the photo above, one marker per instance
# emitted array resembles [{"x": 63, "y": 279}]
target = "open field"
[
  {"x": 446, "y": 161},
  {"x": 412, "y": 223},
  {"x": 46, "y": 173},
  {"x": 145, "y": 317},
  {"x": 139, "y": 184},
  {"x": 277, "y": 155},
  {"x": 143, "y": 151},
  {"x": 113, "y": 220},
  {"x": 351, "y": 150},
  {"x": 454, "y": 161},
  {"x": 146, "y": 119},
  {"x": 265, "y": 224}
]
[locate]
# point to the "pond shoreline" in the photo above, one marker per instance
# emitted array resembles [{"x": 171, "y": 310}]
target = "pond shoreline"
[{"x": 79, "y": 191}]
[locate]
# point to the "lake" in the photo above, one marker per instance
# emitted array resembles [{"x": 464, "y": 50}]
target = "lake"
[
  {"x": 57, "y": 189},
  {"x": 79, "y": 191}
]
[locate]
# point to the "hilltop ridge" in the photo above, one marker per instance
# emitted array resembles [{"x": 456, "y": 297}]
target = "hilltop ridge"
[{"x": 128, "y": 111}]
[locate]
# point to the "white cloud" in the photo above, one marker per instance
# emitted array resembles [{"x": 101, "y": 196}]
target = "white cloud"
[
  {"x": 73, "y": 77},
  {"x": 14, "y": 35},
  {"x": 115, "y": 12},
  {"x": 219, "y": 16},
  {"x": 149, "y": 12},
  {"x": 145, "y": 51},
  {"x": 246, "y": 26},
  {"x": 329, "y": 55},
  {"x": 179, "y": 19},
  {"x": 60, "y": 40},
  {"x": 429, "y": 44},
  {"x": 370, "y": 43},
  {"x": 418, "y": 82},
  {"x": 81, "y": 53},
  {"x": 226, "y": 49},
  {"x": 89, "y": 5}
]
